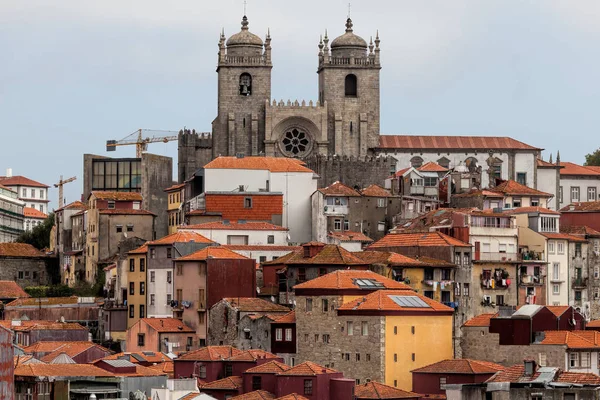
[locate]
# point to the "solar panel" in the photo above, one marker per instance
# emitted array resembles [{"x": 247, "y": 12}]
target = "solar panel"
[
  {"x": 138, "y": 357},
  {"x": 409, "y": 301}
]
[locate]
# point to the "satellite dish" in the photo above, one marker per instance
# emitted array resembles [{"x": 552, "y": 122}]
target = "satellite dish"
[
  {"x": 257, "y": 290},
  {"x": 273, "y": 299}
]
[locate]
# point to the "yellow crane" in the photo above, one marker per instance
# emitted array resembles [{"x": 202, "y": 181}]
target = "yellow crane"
[
  {"x": 141, "y": 138},
  {"x": 60, "y": 185}
]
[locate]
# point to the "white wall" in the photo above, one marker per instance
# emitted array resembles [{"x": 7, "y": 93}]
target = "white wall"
[
  {"x": 526, "y": 162},
  {"x": 563, "y": 259},
  {"x": 255, "y": 237},
  {"x": 546, "y": 182},
  {"x": 583, "y": 183},
  {"x": 257, "y": 254},
  {"x": 41, "y": 194},
  {"x": 160, "y": 287}
]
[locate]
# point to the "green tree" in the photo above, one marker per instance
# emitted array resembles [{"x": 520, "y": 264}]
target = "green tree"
[
  {"x": 593, "y": 159},
  {"x": 39, "y": 236}
]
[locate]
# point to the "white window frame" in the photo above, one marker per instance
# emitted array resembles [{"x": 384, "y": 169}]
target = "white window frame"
[
  {"x": 556, "y": 289},
  {"x": 560, "y": 247},
  {"x": 575, "y": 194},
  {"x": 279, "y": 334},
  {"x": 556, "y": 271},
  {"x": 288, "y": 334},
  {"x": 337, "y": 224},
  {"x": 551, "y": 247},
  {"x": 381, "y": 202},
  {"x": 591, "y": 193}
]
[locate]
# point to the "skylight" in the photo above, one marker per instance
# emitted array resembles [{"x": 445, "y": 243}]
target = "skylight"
[{"x": 409, "y": 301}]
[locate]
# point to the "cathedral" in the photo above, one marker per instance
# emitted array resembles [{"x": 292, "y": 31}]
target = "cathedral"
[{"x": 342, "y": 124}]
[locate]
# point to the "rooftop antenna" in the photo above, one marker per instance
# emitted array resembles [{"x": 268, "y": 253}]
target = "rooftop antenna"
[
  {"x": 349, "y": 7},
  {"x": 245, "y": 7}
]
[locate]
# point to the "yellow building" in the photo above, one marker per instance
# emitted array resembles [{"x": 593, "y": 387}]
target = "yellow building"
[
  {"x": 136, "y": 281},
  {"x": 174, "y": 209}
]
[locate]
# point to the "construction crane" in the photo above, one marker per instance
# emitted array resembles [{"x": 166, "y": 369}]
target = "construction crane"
[
  {"x": 60, "y": 185},
  {"x": 141, "y": 143}
]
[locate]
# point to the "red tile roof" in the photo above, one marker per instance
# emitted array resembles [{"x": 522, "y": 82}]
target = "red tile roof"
[
  {"x": 166, "y": 367},
  {"x": 512, "y": 188},
  {"x": 231, "y": 206},
  {"x": 271, "y": 367},
  {"x": 462, "y": 143},
  {"x": 255, "y": 395},
  {"x": 425, "y": 239},
  {"x": 76, "y": 205},
  {"x": 593, "y": 324},
  {"x": 44, "y": 301},
  {"x": 558, "y": 310},
  {"x": 350, "y": 236},
  {"x": 563, "y": 236},
  {"x": 181, "y": 236},
  {"x": 570, "y": 168},
  {"x": 10, "y": 290},
  {"x": 71, "y": 349},
  {"x": 545, "y": 164},
  {"x": 216, "y": 252},
  {"x": 339, "y": 189},
  {"x": 61, "y": 370},
  {"x": 19, "y": 250},
  {"x": 29, "y": 212},
  {"x": 376, "y": 390},
  {"x": 273, "y": 164},
  {"x": 175, "y": 187},
  {"x": 401, "y": 172},
  {"x": 573, "y": 339},
  {"x": 346, "y": 279},
  {"x": 248, "y": 304},
  {"x": 266, "y": 247},
  {"x": 580, "y": 378},
  {"x": 587, "y": 206},
  {"x": 516, "y": 374},
  {"x": 308, "y": 368},
  {"x": 388, "y": 258},
  {"x": 529, "y": 210},
  {"x": 460, "y": 366},
  {"x": 382, "y": 300},
  {"x": 18, "y": 180},
  {"x": 229, "y": 383},
  {"x": 143, "y": 249},
  {"x": 167, "y": 325},
  {"x": 330, "y": 254},
  {"x": 26, "y": 326},
  {"x": 253, "y": 355},
  {"x": 210, "y": 353},
  {"x": 289, "y": 318},
  {"x": 292, "y": 396},
  {"x": 432, "y": 167},
  {"x": 117, "y": 196},
  {"x": 236, "y": 225},
  {"x": 124, "y": 211},
  {"x": 482, "y": 320},
  {"x": 579, "y": 230},
  {"x": 147, "y": 356},
  {"x": 375, "y": 191}
]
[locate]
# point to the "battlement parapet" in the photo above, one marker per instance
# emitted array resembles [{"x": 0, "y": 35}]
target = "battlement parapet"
[{"x": 295, "y": 104}]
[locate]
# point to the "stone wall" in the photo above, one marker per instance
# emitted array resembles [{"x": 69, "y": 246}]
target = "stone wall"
[
  {"x": 340, "y": 352},
  {"x": 157, "y": 175},
  {"x": 26, "y": 271},
  {"x": 593, "y": 262},
  {"x": 351, "y": 171}
]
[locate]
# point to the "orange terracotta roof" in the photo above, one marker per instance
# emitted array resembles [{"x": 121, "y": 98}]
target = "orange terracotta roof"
[
  {"x": 41, "y": 325},
  {"x": 76, "y": 205},
  {"x": 143, "y": 249},
  {"x": 252, "y": 355},
  {"x": 376, "y": 390},
  {"x": 480, "y": 193},
  {"x": 347, "y": 279},
  {"x": 558, "y": 310},
  {"x": 482, "y": 320},
  {"x": 580, "y": 378},
  {"x": 292, "y": 396},
  {"x": 273, "y": 164},
  {"x": 71, "y": 349},
  {"x": 289, "y": 318},
  {"x": 545, "y": 164},
  {"x": 182, "y": 236},
  {"x": 19, "y": 250},
  {"x": 24, "y": 359},
  {"x": 271, "y": 367},
  {"x": 528, "y": 210},
  {"x": 117, "y": 196},
  {"x": 595, "y": 168},
  {"x": 232, "y": 205},
  {"x": 516, "y": 374},
  {"x": 432, "y": 167},
  {"x": 255, "y": 395},
  {"x": 266, "y": 247},
  {"x": 10, "y": 290},
  {"x": 147, "y": 356},
  {"x": 167, "y": 325},
  {"x": 308, "y": 368},
  {"x": 425, "y": 239},
  {"x": 350, "y": 236},
  {"x": 29, "y": 212},
  {"x": 573, "y": 339},
  {"x": 229, "y": 383},
  {"x": 61, "y": 370},
  {"x": 382, "y": 300},
  {"x": 460, "y": 366},
  {"x": 330, "y": 254},
  {"x": 44, "y": 301},
  {"x": 375, "y": 191},
  {"x": 412, "y": 142},
  {"x": 19, "y": 180},
  {"x": 570, "y": 168},
  {"x": 216, "y": 252},
  {"x": 339, "y": 189},
  {"x": 563, "y": 236},
  {"x": 593, "y": 324},
  {"x": 236, "y": 225},
  {"x": 167, "y": 367},
  {"x": 255, "y": 304},
  {"x": 579, "y": 230},
  {"x": 175, "y": 187},
  {"x": 124, "y": 211},
  {"x": 511, "y": 187},
  {"x": 388, "y": 258},
  {"x": 587, "y": 206},
  {"x": 401, "y": 171},
  {"x": 210, "y": 353},
  {"x": 513, "y": 374}
]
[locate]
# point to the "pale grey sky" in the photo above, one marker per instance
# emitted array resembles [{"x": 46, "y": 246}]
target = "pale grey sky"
[{"x": 76, "y": 73}]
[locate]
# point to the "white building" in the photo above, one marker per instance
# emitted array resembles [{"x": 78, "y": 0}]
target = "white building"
[
  {"x": 34, "y": 194},
  {"x": 578, "y": 184},
  {"x": 278, "y": 174},
  {"x": 11, "y": 215},
  {"x": 241, "y": 232},
  {"x": 33, "y": 218},
  {"x": 262, "y": 253},
  {"x": 548, "y": 180}
]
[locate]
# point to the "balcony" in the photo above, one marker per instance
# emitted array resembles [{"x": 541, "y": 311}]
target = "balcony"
[
  {"x": 579, "y": 282},
  {"x": 532, "y": 256},
  {"x": 495, "y": 283},
  {"x": 417, "y": 190},
  {"x": 495, "y": 256},
  {"x": 532, "y": 279},
  {"x": 335, "y": 210}
]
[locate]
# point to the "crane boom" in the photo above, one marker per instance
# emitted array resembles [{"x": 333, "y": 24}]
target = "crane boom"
[
  {"x": 141, "y": 143},
  {"x": 60, "y": 185}
]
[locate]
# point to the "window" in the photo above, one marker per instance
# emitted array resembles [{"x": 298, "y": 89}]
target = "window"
[
  {"x": 560, "y": 194},
  {"x": 578, "y": 295},
  {"x": 574, "y": 194},
  {"x": 577, "y": 249},
  {"x": 179, "y": 269},
  {"x": 245, "y": 84},
  {"x": 288, "y": 334},
  {"x": 596, "y": 272},
  {"x": 551, "y": 247},
  {"x": 325, "y": 305},
  {"x": 24, "y": 192},
  {"x": 141, "y": 339},
  {"x": 131, "y": 264},
  {"x": 542, "y": 359},
  {"x": 309, "y": 304},
  {"x": 152, "y": 299},
  {"x": 466, "y": 259},
  {"x": 152, "y": 253},
  {"x": 228, "y": 370},
  {"x": 442, "y": 383},
  {"x": 111, "y": 204},
  {"x": 256, "y": 383},
  {"x": 395, "y": 383},
  {"x": 555, "y": 289},
  {"x": 322, "y": 271},
  {"x": 349, "y": 328},
  {"x": 169, "y": 298},
  {"x": 131, "y": 288},
  {"x": 380, "y": 203},
  {"x": 535, "y": 202},
  {"x": 456, "y": 289},
  {"x": 416, "y": 162},
  {"x": 591, "y": 194},
  {"x": 428, "y": 293},
  {"x": 381, "y": 226},
  {"x": 430, "y": 181},
  {"x": 337, "y": 224},
  {"x": 169, "y": 252},
  {"x": 152, "y": 276},
  {"x": 308, "y": 386},
  {"x": 499, "y": 299},
  {"x": 395, "y": 357},
  {"x": 357, "y": 358},
  {"x": 142, "y": 288},
  {"x": 516, "y": 202},
  {"x": 446, "y": 274},
  {"x": 325, "y": 338},
  {"x": 142, "y": 264},
  {"x": 457, "y": 258},
  {"x": 364, "y": 328},
  {"x": 465, "y": 289},
  {"x": 560, "y": 246},
  {"x": 522, "y": 178},
  {"x": 346, "y": 225},
  {"x": 555, "y": 271},
  {"x": 301, "y": 274},
  {"x": 350, "y": 86},
  {"x": 548, "y": 224},
  {"x": 119, "y": 228},
  {"x": 271, "y": 239},
  {"x": 278, "y": 334},
  {"x": 131, "y": 311},
  {"x": 248, "y": 202},
  {"x": 169, "y": 276},
  {"x": 262, "y": 259},
  {"x": 142, "y": 311}
]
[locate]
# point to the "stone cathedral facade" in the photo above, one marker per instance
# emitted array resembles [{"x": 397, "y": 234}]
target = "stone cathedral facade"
[{"x": 332, "y": 134}]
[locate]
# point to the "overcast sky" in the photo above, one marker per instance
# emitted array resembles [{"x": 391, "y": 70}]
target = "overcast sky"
[{"x": 75, "y": 73}]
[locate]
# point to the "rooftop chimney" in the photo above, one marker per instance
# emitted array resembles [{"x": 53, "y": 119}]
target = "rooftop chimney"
[{"x": 9, "y": 172}]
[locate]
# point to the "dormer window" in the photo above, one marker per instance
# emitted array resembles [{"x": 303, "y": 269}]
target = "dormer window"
[
  {"x": 351, "y": 85},
  {"x": 245, "y": 84}
]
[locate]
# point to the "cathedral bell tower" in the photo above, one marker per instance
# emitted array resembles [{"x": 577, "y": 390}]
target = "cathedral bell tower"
[
  {"x": 349, "y": 84},
  {"x": 244, "y": 87}
]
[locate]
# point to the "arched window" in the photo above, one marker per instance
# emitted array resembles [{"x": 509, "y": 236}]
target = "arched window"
[
  {"x": 351, "y": 85},
  {"x": 245, "y": 84},
  {"x": 416, "y": 161}
]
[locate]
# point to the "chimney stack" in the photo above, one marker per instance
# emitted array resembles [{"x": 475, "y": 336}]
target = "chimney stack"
[{"x": 9, "y": 172}]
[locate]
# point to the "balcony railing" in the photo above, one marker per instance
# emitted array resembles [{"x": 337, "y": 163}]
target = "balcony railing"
[
  {"x": 335, "y": 210},
  {"x": 495, "y": 256},
  {"x": 532, "y": 279},
  {"x": 532, "y": 256},
  {"x": 579, "y": 282},
  {"x": 491, "y": 282},
  {"x": 417, "y": 190}
]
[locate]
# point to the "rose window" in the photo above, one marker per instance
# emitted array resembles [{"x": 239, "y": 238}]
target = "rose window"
[{"x": 295, "y": 142}]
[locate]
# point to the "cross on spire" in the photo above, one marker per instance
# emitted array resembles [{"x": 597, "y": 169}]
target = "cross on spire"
[
  {"x": 245, "y": 3},
  {"x": 349, "y": 7}
]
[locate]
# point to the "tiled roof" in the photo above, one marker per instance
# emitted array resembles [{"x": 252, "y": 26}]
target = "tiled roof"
[
  {"x": 562, "y": 236},
  {"x": 256, "y": 395},
  {"x": 480, "y": 193},
  {"x": 432, "y": 167},
  {"x": 346, "y": 279},
  {"x": 253, "y": 355},
  {"x": 76, "y": 205},
  {"x": 271, "y": 367},
  {"x": 573, "y": 339},
  {"x": 247, "y": 304},
  {"x": 175, "y": 187},
  {"x": 167, "y": 325},
  {"x": 425, "y": 239},
  {"x": 232, "y": 206},
  {"x": 44, "y": 301},
  {"x": 236, "y": 225},
  {"x": 545, "y": 164},
  {"x": 381, "y": 300},
  {"x": 29, "y": 212},
  {"x": 482, "y": 320},
  {"x": 289, "y": 318},
  {"x": 229, "y": 383},
  {"x": 216, "y": 252},
  {"x": 570, "y": 168},
  {"x": 580, "y": 378},
  {"x": 292, "y": 396},
  {"x": 69, "y": 348},
  {"x": 513, "y": 374},
  {"x": 181, "y": 236},
  {"x": 61, "y": 370},
  {"x": 339, "y": 189},
  {"x": 124, "y": 211},
  {"x": 308, "y": 368},
  {"x": 579, "y": 230},
  {"x": 143, "y": 249},
  {"x": 375, "y": 191},
  {"x": 19, "y": 250},
  {"x": 118, "y": 196},
  {"x": 134, "y": 357},
  {"x": 330, "y": 254},
  {"x": 529, "y": 210},
  {"x": 376, "y": 390},
  {"x": 167, "y": 367},
  {"x": 593, "y": 324},
  {"x": 18, "y": 180},
  {"x": 558, "y": 310},
  {"x": 273, "y": 164},
  {"x": 511, "y": 187},
  {"x": 266, "y": 247},
  {"x": 350, "y": 236},
  {"x": 460, "y": 366},
  {"x": 210, "y": 353},
  {"x": 25, "y": 359},
  {"x": 388, "y": 258},
  {"x": 586, "y": 206},
  {"x": 401, "y": 172},
  {"x": 10, "y": 290},
  {"x": 41, "y": 325},
  {"x": 412, "y": 142}
]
